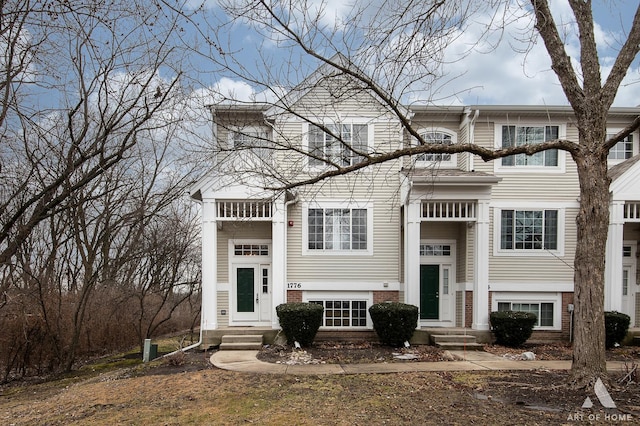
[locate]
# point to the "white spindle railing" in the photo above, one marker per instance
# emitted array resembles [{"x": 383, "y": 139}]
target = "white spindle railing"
[
  {"x": 244, "y": 210},
  {"x": 448, "y": 210},
  {"x": 632, "y": 212}
]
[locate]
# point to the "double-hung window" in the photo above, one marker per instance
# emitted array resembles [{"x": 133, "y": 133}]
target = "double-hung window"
[
  {"x": 513, "y": 136},
  {"x": 623, "y": 150},
  {"x": 337, "y": 229},
  {"x": 341, "y": 144},
  {"x": 529, "y": 230}
]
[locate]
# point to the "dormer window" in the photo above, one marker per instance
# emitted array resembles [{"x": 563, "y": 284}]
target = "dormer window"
[{"x": 436, "y": 136}]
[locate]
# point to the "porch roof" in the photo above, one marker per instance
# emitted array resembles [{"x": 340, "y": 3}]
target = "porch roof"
[
  {"x": 624, "y": 180},
  {"x": 449, "y": 177}
]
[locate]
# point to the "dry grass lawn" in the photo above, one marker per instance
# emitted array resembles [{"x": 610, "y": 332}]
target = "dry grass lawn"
[{"x": 196, "y": 393}]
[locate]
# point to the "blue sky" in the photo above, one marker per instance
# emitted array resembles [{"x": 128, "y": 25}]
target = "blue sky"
[{"x": 502, "y": 76}]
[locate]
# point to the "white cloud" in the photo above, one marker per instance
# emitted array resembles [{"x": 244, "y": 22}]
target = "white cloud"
[
  {"x": 506, "y": 66},
  {"x": 517, "y": 73}
]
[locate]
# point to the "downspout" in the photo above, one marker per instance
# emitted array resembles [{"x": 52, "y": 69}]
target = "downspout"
[
  {"x": 472, "y": 130},
  {"x": 291, "y": 202}
]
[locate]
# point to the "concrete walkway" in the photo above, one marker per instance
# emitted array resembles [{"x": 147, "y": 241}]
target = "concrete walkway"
[{"x": 247, "y": 362}]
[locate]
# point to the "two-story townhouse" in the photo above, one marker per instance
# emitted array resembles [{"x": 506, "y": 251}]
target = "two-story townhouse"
[{"x": 449, "y": 233}]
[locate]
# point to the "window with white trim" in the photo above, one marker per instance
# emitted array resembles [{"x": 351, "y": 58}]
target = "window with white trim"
[
  {"x": 513, "y": 136},
  {"x": 437, "y": 136},
  {"x": 337, "y": 229},
  {"x": 542, "y": 310},
  {"x": 340, "y": 145},
  {"x": 250, "y": 139},
  {"x": 343, "y": 313},
  {"x": 529, "y": 229},
  {"x": 623, "y": 150}
]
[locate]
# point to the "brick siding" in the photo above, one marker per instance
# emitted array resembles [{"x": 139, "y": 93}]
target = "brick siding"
[
  {"x": 385, "y": 296},
  {"x": 294, "y": 296}
]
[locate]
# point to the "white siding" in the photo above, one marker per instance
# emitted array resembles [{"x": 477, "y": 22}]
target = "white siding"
[
  {"x": 526, "y": 269},
  {"x": 223, "y": 304}
]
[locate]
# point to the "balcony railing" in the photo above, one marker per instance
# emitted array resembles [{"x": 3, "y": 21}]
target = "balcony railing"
[
  {"x": 256, "y": 210},
  {"x": 448, "y": 210},
  {"x": 632, "y": 212}
]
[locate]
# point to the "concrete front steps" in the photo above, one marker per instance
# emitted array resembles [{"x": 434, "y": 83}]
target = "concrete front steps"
[
  {"x": 241, "y": 342},
  {"x": 456, "y": 342}
]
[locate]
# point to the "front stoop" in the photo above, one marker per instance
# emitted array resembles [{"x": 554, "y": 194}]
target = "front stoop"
[
  {"x": 456, "y": 342},
  {"x": 241, "y": 342}
]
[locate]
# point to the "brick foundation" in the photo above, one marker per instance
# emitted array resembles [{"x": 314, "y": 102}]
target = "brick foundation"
[
  {"x": 385, "y": 296},
  {"x": 294, "y": 296},
  {"x": 567, "y": 298},
  {"x": 468, "y": 308}
]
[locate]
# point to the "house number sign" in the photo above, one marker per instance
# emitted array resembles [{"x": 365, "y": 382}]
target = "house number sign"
[{"x": 294, "y": 286}]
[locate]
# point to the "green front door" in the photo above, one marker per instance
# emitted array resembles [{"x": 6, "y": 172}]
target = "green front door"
[
  {"x": 245, "y": 290},
  {"x": 429, "y": 287}
]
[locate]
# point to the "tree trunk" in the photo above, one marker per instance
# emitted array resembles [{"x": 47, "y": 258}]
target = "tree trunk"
[{"x": 592, "y": 222}]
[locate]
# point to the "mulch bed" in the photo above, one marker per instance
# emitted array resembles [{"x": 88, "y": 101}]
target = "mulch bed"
[{"x": 368, "y": 352}]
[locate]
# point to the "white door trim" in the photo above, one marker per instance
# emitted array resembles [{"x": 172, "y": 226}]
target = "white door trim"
[
  {"x": 447, "y": 294},
  {"x": 258, "y": 260}
]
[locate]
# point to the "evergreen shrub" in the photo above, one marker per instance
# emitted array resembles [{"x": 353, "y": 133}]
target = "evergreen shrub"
[
  {"x": 394, "y": 322},
  {"x": 300, "y": 321},
  {"x": 616, "y": 325},
  {"x": 512, "y": 328}
]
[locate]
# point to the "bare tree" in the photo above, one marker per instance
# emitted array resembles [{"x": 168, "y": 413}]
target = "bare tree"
[
  {"x": 167, "y": 272},
  {"x": 388, "y": 50},
  {"x": 91, "y": 156},
  {"x": 74, "y": 94}
]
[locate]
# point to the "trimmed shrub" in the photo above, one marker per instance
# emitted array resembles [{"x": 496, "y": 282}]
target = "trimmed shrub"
[
  {"x": 616, "y": 326},
  {"x": 394, "y": 322},
  {"x": 512, "y": 328},
  {"x": 300, "y": 321}
]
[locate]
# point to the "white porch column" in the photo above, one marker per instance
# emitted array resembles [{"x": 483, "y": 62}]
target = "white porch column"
[
  {"x": 412, "y": 254},
  {"x": 613, "y": 265},
  {"x": 209, "y": 266},
  {"x": 278, "y": 257},
  {"x": 481, "y": 269}
]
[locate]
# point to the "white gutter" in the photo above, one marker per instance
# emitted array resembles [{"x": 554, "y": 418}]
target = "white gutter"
[{"x": 471, "y": 139}]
